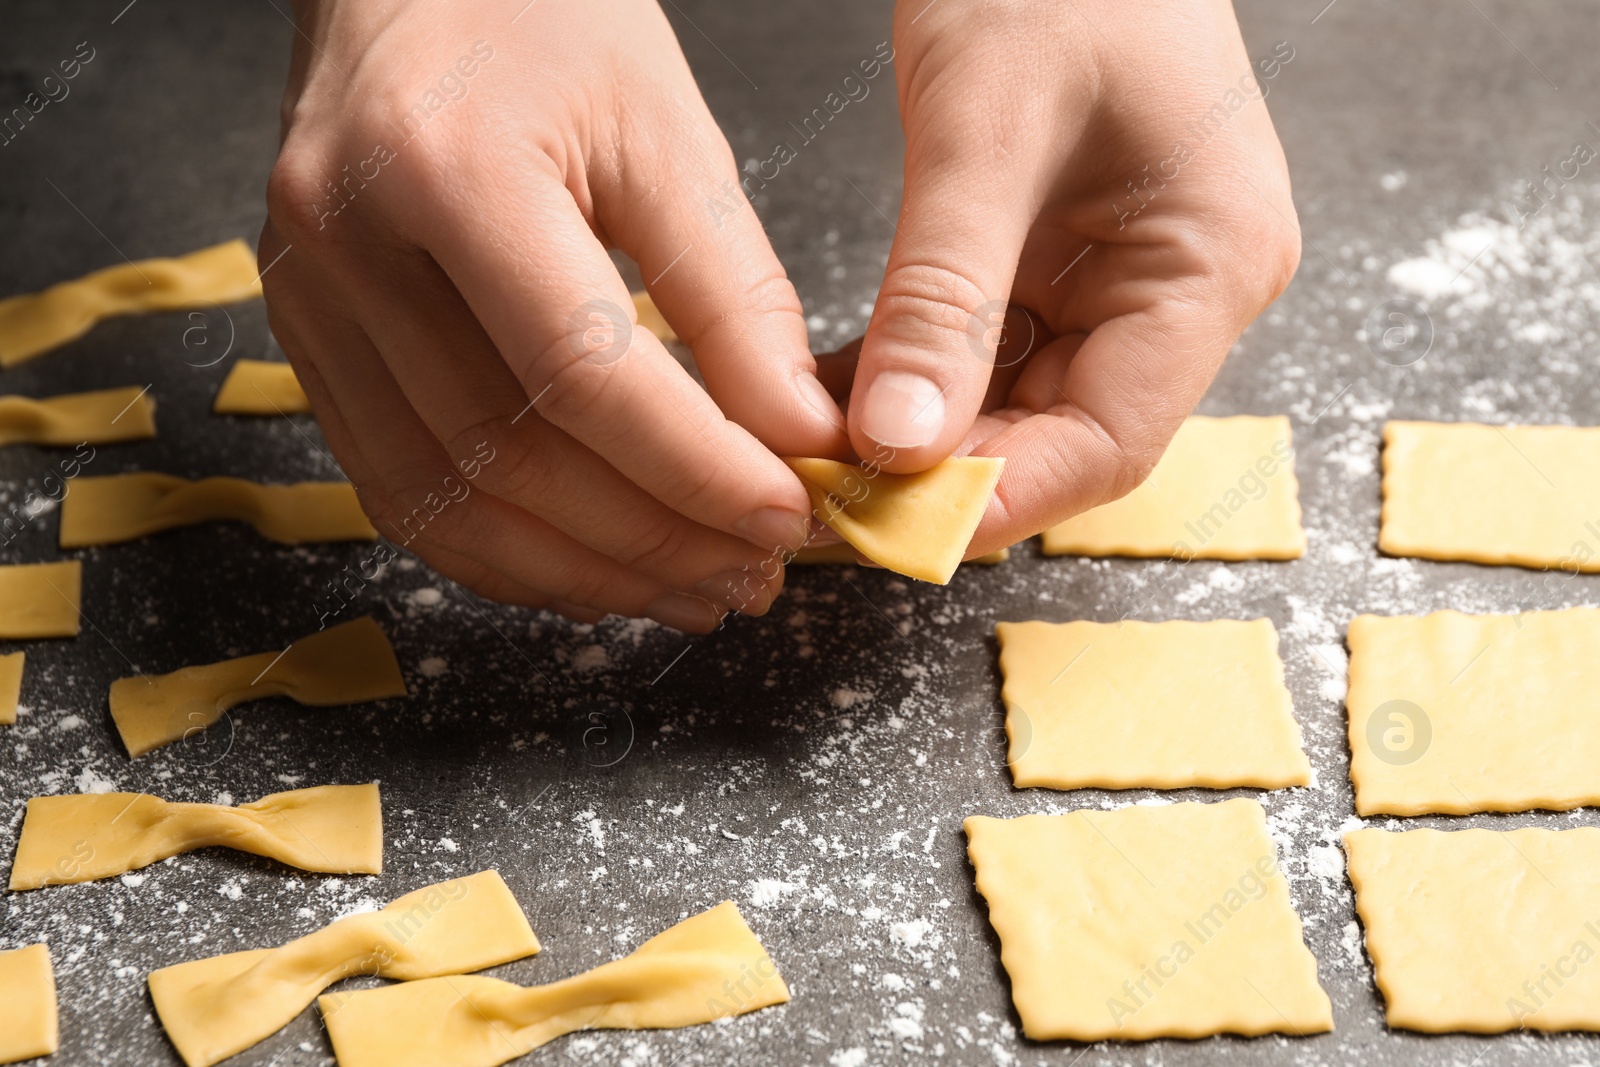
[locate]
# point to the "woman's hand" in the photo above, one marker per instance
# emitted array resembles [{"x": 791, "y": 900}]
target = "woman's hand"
[
  {"x": 435, "y": 267},
  {"x": 1110, "y": 170}
]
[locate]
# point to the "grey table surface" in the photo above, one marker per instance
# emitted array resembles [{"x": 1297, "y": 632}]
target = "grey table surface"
[{"x": 814, "y": 765}]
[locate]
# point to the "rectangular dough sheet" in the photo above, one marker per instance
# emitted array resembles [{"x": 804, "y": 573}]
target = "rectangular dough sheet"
[
  {"x": 1144, "y": 922},
  {"x": 28, "y": 1022},
  {"x": 258, "y": 387},
  {"x": 918, "y": 524},
  {"x": 40, "y": 600},
  {"x": 1163, "y": 705},
  {"x": 1522, "y": 495},
  {"x": 102, "y": 417},
  {"x": 10, "y": 686},
  {"x": 1458, "y": 713},
  {"x": 1225, "y": 489},
  {"x": 1482, "y": 931}
]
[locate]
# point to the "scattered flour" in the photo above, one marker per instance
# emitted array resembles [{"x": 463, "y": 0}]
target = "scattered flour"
[{"x": 765, "y": 892}]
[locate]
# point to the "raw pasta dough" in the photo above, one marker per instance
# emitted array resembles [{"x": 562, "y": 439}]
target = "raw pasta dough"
[
  {"x": 336, "y": 829},
  {"x": 650, "y": 317},
  {"x": 708, "y": 967},
  {"x": 34, "y": 324},
  {"x": 27, "y": 1004},
  {"x": 1482, "y": 931},
  {"x": 40, "y": 600},
  {"x": 1165, "y": 705},
  {"x": 257, "y": 387},
  {"x": 844, "y": 553},
  {"x": 104, "y": 417},
  {"x": 218, "y": 1007},
  {"x": 10, "y": 687},
  {"x": 1462, "y": 713},
  {"x": 1146, "y": 922},
  {"x": 916, "y": 524},
  {"x": 123, "y": 507},
  {"x": 1225, "y": 489},
  {"x": 1524, "y": 495},
  {"x": 346, "y": 664}
]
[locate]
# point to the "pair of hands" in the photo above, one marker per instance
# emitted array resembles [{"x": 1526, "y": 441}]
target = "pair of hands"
[{"x": 450, "y": 181}]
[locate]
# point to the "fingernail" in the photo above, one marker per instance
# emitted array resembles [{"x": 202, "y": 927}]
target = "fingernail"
[
  {"x": 684, "y": 612},
  {"x": 773, "y": 528},
  {"x": 903, "y": 410},
  {"x": 816, "y": 394},
  {"x": 823, "y": 537},
  {"x": 740, "y": 590}
]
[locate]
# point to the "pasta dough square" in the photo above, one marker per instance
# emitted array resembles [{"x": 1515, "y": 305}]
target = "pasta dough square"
[
  {"x": 1225, "y": 489},
  {"x": 10, "y": 687},
  {"x": 918, "y": 525},
  {"x": 27, "y": 1004},
  {"x": 1458, "y": 713},
  {"x": 1157, "y": 704},
  {"x": 1482, "y": 931},
  {"x": 40, "y": 600},
  {"x": 259, "y": 387},
  {"x": 1522, "y": 495},
  {"x": 1146, "y": 922}
]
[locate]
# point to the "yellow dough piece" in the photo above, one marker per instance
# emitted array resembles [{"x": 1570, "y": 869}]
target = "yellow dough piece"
[
  {"x": 33, "y": 324},
  {"x": 124, "y": 507},
  {"x": 1146, "y": 922},
  {"x": 918, "y": 525},
  {"x": 1162, "y": 705},
  {"x": 1480, "y": 930},
  {"x": 336, "y": 829},
  {"x": 104, "y": 417},
  {"x": 10, "y": 687},
  {"x": 218, "y": 1007},
  {"x": 1458, "y": 713},
  {"x": 1522, "y": 495},
  {"x": 28, "y": 1023},
  {"x": 844, "y": 553},
  {"x": 708, "y": 967},
  {"x": 650, "y": 317},
  {"x": 346, "y": 664},
  {"x": 1225, "y": 489},
  {"x": 40, "y": 599},
  {"x": 258, "y": 387}
]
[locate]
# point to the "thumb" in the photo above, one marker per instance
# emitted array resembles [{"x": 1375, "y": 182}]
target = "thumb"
[{"x": 930, "y": 346}]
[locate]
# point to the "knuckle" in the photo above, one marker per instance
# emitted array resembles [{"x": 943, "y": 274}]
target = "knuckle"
[
  {"x": 925, "y": 298},
  {"x": 572, "y": 385},
  {"x": 661, "y": 543},
  {"x": 407, "y": 510},
  {"x": 1126, "y": 464},
  {"x": 526, "y": 479},
  {"x": 697, "y": 488},
  {"x": 294, "y": 187},
  {"x": 768, "y": 294},
  {"x": 601, "y": 589},
  {"x": 1282, "y": 259},
  {"x": 516, "y": 473}
]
